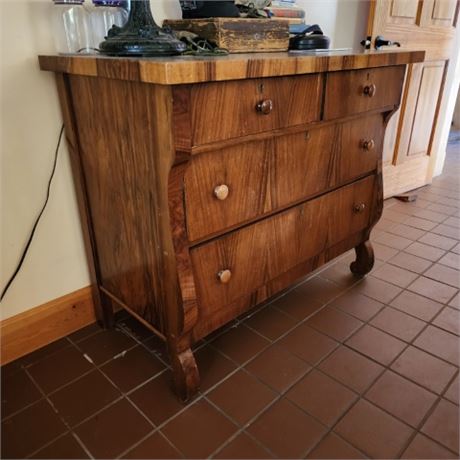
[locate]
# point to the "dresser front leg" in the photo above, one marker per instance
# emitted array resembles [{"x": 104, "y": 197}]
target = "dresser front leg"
[
  {"x": 364, "y": 259},
  {"x": 186, "y": 377}
]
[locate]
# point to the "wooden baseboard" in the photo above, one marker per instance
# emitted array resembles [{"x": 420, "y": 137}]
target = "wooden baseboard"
[{"x": 39, "y": 326}]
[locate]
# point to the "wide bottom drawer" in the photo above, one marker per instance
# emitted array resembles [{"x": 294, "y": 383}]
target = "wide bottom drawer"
[{"x": 242, "y": 261}]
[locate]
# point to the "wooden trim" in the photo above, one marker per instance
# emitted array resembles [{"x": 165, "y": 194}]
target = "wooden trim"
[{"x": 39, "y": 326}]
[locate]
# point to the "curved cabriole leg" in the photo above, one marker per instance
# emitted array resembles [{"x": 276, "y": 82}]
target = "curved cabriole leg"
[
  {"x": 364, "y": 259},
  {"x": 185, "y": 374}
]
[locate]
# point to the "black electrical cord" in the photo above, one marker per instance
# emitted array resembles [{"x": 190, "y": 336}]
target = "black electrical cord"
[{"x": 37, "y": 220}]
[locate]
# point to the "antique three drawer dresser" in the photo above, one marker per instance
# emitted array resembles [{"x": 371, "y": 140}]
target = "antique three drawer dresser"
[{"x": 207, "y": 185}]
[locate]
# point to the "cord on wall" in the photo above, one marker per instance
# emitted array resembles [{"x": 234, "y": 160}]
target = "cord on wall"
[{"x": 37, "y": 220}]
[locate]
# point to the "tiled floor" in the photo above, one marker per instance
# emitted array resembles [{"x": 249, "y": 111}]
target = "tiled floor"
[{"x": 337, "y": 368}]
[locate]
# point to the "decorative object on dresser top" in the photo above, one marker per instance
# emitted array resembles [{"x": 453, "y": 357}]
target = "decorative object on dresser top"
[{"x": 208, "y": 185}]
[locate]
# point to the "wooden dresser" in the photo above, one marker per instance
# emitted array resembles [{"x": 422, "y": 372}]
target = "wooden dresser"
[{"x": 207, "y": 185}]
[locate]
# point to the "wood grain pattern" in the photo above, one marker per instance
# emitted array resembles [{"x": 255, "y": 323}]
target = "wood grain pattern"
[
  {"x": 350, "y": 89},
  {"x": 238, "y": 35},
  {"x": 297, "y": 234},
  {"x": 275, "y": 172},
  {"x": 181, "y": 70}
]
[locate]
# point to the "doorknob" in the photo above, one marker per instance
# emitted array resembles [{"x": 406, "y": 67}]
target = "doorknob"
[{"x": 380, "y": 41}]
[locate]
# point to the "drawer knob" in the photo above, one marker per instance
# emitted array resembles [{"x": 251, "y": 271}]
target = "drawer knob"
[
  {"x": 359, "y": 208},
  {"x": 368, "y": 145},
  {"x": 221, "y": 192},
  {"x": 224, "y": 276},
  {"x": 369, "y": 90},
  {"x": 265, "y": 106}
]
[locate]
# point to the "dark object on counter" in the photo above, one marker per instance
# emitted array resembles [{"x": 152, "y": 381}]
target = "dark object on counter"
[
  {"x": 141, "y": 36},
  {"x": 193, "y": 9},
  {"x": 311, "y": 38}
]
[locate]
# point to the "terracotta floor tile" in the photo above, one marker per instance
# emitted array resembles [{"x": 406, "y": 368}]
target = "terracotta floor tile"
[
  {"x": 438, "y": 241},
  {"x": 442, "y": 425},
  {"x": 243, "y": 447},
  {"x": 377, "y": 289},
  {"x": 213, "y": 366},
  {"x": 132, "y": 368},
  {"x": 30, "y": 429},
  {"x": 446, "y": 230},
  {"x": 423, "y": 448},
  {"x": 297, "y": 305},
  {"x": 422, "y": 224},
  {"x": 433, "y": 289},
  {"x": 351, "y": 368},
  {"x": 453, "y": 222},
  {"x": 373, "y": 431},
  {"x": 41, "y": 353},
  {"x": 424, "y": 369},
  {"x": 455, "y": 302},
  {"x": 385, "y": 225},
  {"x": 157, "y": 400},
  {"x": 240, "y": 343},
  {"x": 64, "y": 447},
  {"x": 439, "y": 343},
  {"x": 416, "y": 305},
  {"x": 158, "y": 347},
  {"x": 319, "y": 289},
  {"x": 394, "y": 216},
  {"x": 448, "y": 210},
  {"x": 395, "y": 275},
  {"x": 334, "y": 447},
  {"x": 446, "y": 275},
  {"x": 334, "y": 323},
  {"x": 106, "y": 437},
  {"x": 321, "y": 397},
  {"x": 428, "y": 215},
  {"x": 399, "y": 324},
  {"x": 85, "y": 332},
  {"x": 393, "y": 241},
  {"x": 199, "y": 430},
  {"x": 451, "y": 260},
  {"x": 17, "y": 391},
  {"x": 286, "y": 430},
  {"x": 270, "y": 322},
  {"x": 425, "y": 251},
  {"x": 357, "y": 305},
  {"x": 105, "y": 345},
  {"x": 84, "y": 397},
  {"x": 401, "y": 398},
  {"x": 241, "y": 396},
  {"x": 407, "y": 232},
  {"x": 135, "y": 328},
  {"x": 60, "y": 368},
  {"x": 456, "y": 249},
  {"x": 340, "y": 273},
  {"x": 410, "y": 262},
  {"x": 376, "y": 344},
  {"x": 277, "y": 367},
  {"x": 383, "y": 253},
  {"x": 308, "y": 344},
  {"x": 448, "y": 319},
  {"x": 155, "y": 446},
  {"x": 452, "y": 393}
]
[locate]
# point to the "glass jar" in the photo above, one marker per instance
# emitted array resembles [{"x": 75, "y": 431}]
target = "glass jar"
[
  {"x": 105, "y": 14},
  {"x": 70, "y": 25}
]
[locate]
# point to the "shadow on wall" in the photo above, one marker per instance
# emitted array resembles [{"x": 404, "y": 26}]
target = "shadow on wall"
[{"x": 351, "y": 23}]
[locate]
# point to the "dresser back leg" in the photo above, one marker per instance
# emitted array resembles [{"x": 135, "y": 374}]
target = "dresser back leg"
[{"x": 364, "y": 259}]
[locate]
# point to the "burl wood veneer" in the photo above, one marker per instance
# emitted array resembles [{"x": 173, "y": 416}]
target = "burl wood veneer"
[{"x": 208, "y": 185}]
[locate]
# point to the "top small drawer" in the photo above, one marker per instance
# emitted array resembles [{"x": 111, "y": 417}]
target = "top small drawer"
[
  {"x": 225, "y": 110},
  {"x": 357, "y": 91}
]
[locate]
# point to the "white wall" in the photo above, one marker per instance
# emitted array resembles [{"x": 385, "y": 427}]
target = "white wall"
[{"x": 30, "y": 123}]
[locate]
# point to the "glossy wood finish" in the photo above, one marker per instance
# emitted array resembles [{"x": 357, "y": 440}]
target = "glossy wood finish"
[
  {"x": 181, "y": 70},
  {"x": 204, "y": 200},
  {"x": 275, "y": 172}
]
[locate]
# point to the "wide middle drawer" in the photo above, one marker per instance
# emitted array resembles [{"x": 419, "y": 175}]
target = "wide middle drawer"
[
  {"x": 239, "y": 263},
  {"x": 239, "y": 183}
]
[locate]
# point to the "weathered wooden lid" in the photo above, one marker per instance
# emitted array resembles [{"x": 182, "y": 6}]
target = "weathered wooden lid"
[{"x": 192, "y": 69}]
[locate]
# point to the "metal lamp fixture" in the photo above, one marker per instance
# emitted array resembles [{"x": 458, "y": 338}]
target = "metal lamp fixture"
[{"x": 141, "y": 36}]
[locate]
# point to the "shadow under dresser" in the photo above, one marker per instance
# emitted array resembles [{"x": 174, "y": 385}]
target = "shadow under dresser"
[{"x": 207, "y": 185}]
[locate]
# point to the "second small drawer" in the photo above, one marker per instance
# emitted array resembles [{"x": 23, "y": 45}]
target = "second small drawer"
[{"x": 239, "y": 183}]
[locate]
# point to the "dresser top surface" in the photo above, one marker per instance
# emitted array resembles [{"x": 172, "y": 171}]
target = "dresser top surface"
[{"x": 192, "y": 69}]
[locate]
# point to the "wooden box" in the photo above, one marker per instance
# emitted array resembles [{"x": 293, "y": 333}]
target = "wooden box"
[{"x": 238, "y": 35}]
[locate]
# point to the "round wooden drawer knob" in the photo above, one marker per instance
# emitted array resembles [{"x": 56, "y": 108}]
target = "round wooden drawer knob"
[
  {"x": 224, "y": 276},
  {"x": 368, "y": 145},
  {"x": 369, "y": 90},
  {"x": 359, "y": 208},
  {"x": 221, "y": 192},
  {"x": 265, "y": 107}
]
